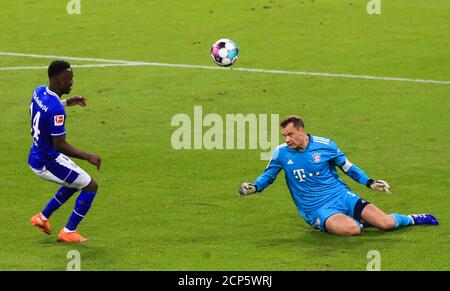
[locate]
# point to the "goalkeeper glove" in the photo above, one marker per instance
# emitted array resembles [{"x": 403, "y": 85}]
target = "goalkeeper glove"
[
  {"x": 379, "y": 185},
  {"x": 247, "y": 189}
]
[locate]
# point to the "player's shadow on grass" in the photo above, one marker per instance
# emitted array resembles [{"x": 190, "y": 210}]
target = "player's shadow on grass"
[
  {"x": 93, "y": 256},
  {"x": 87, "y": 250},
  {"x": 312, "y": 237}
]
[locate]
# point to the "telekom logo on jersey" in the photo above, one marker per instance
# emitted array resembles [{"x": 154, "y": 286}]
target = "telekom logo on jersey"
[
  {"x": 226, "y": 133},
  {"x": 300, "y": 174}
]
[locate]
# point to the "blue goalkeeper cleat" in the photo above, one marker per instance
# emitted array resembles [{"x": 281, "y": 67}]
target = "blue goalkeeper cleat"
[{"x": 424, "y": 219}]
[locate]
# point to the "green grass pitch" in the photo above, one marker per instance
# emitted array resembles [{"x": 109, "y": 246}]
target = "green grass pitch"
[{"x": 164, "y": 209}]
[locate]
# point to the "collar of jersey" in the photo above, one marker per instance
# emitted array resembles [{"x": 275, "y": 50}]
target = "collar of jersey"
[{"x": 51, "y": 92}]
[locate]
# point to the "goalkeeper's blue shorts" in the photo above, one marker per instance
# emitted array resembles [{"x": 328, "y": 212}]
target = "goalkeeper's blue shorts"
[{"x": 348, "y": 203}]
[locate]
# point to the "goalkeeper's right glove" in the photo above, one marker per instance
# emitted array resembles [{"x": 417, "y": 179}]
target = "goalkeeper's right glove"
[
  {"x": 379, "y": 185},
  {"x": 247, "y": 189}
]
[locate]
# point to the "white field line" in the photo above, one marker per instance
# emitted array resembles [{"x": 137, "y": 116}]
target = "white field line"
[
  {"x": 119, "y": 63},
  {"x": 62, "y": 58},
  {"x": 73, "y": 66}
]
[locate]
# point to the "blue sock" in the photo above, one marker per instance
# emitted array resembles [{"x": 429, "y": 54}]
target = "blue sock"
[
  {"x": 82, "y": 206},
  {"x": 61, "y": 196},
  {"x": 401, "y": 220}
]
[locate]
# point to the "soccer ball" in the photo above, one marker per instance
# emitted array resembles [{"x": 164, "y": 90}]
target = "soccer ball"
[{"x": 224, "y": 52}]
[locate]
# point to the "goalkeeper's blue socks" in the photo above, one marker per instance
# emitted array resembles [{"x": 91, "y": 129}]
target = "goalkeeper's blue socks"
[
  {"x": 82, "y": 206},
  {"x": 62, "y": 195},
  {"x": 402, "y": 220}
]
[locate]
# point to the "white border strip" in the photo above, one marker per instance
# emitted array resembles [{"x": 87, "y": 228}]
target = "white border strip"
[{"x": 119, "y": 63}]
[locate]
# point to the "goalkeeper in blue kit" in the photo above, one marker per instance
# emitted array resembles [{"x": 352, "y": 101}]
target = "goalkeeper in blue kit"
[{"x": 322, "y": 198}]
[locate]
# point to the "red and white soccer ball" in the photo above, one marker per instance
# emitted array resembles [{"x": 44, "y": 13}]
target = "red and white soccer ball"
[{"x": 224, "y": 52}]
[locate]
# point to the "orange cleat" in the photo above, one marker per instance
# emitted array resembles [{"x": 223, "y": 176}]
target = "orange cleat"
[
  {"x": 71, "y": 237},
  {"x": 39, "y": 221}
]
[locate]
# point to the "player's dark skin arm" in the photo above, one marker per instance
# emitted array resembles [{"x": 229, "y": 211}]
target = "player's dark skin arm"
[{"x": 62, "y": 146}]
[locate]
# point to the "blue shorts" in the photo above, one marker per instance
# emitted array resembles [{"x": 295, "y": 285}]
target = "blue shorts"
[{"x": 348, "y": 203}]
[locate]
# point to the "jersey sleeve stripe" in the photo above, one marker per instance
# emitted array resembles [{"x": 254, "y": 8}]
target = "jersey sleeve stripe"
[
  {"x": 322, "y": 141},
  {"x": 58, "y": 134}
]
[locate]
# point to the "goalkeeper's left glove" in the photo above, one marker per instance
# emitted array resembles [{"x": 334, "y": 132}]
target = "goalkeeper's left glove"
[
  {"x": 379, "y": 185},
  {"x": 247, "y": 189}
]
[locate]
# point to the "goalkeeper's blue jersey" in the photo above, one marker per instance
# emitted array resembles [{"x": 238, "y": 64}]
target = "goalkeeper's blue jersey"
[
  {"x": 47, "y": 120},
  {"x": 311, "y": 174}
]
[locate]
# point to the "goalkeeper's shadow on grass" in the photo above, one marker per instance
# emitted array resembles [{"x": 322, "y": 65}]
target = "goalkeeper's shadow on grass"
[
  {"x": 311, "y": 236},
  {"x": 370, "y": 233}
]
